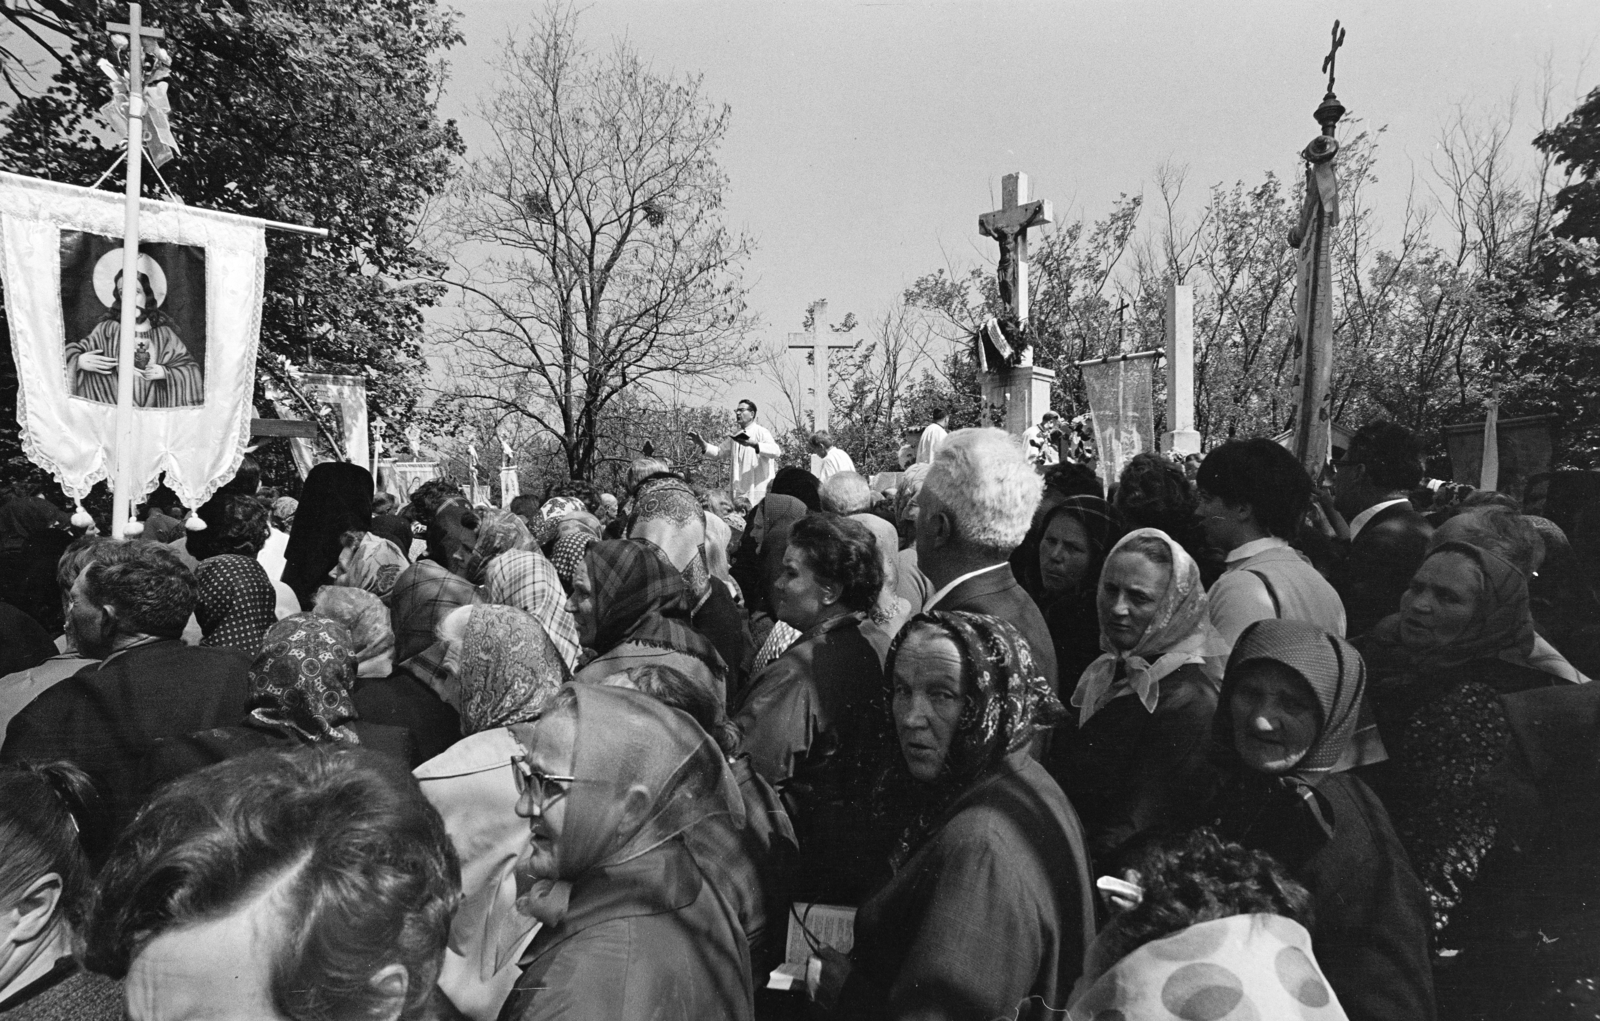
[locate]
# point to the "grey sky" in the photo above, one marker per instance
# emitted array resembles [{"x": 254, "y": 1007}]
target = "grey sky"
[{"x": 867, "y": 137}]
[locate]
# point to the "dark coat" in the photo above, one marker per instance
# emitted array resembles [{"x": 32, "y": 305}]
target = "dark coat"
[
  {"x": 1374, "y": 571},
  {"x": 1372, "y": 920},
  {"x": 998, "y": 594},
  {"x": 723, "y": 623},
  {"x": 1128, "y": 770},
  {"x": 174, "y": 757},
  {"x": 24, "y": 644},
  {"x": 108, "y": 716},
  {"x": 66, "y": 993},
  {"x": 402, "y": 700},
  {"x": 646, "y": 940},
  {"x": 989, "y": 918}
]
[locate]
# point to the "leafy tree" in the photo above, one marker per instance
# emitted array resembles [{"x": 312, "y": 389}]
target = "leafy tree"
[
  {"x": 594, "y": 266},
  {"x": 310, "y": 111}
]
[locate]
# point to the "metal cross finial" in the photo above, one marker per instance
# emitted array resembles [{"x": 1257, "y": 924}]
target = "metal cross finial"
[{"x": 1333, "y": 53}]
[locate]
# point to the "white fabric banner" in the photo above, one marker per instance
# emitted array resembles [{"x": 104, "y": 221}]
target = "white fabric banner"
[
  {"x": 343, "y": 399},
  {"x": 200, "y": 275},
  {"x": 1122, "y": 408}
]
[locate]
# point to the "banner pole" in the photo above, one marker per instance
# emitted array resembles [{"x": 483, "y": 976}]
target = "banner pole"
[{"x": 132, "y": 290}]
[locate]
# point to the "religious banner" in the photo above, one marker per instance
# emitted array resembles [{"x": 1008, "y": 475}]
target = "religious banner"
[
  {"x": 510, "y": 486},
  {"x": 408, "y": 475},
  {"x": 198, "y": 301},
  {"x": 343, "y": 400},
  {"x": 1122, "y": 408}
]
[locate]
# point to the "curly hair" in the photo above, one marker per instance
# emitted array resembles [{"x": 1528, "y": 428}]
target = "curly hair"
[
  {"x": 842, "y": 551},
  {"x": 368, "y": 875},
  {"x": 1200, "y": 878},
  {"x": 1152, "y": 492},
  {"x": 1391, "y": 454},
  {"x": 984, "y": 482},
  {"x": 235, "y": 523},
  {"x": 151, "y": 589},
  {"x": 428, "y": 497}
]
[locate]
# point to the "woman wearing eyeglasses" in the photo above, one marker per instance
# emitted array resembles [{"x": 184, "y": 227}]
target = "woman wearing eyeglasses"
[
  {"x": 988, "y": 912},
  {"x": 611, "y": 781}
]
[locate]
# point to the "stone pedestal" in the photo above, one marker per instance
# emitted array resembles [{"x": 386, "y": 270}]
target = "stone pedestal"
[
  {"x": 1183, "y": 438},
  {"x": 1021, "y": 395}
]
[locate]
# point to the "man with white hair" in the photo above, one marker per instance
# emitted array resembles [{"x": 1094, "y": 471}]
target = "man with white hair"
[{"x": 975, "y": 507}]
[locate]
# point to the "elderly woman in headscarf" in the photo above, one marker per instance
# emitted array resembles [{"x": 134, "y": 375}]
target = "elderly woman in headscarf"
[
  {"x": 498, "y": 532},
  {"x": 299, "y": 694},
  {"x": 423, "y": 594},
  {"x": 370, "y": 562},
  {"x": 575, "y": 531},
  {"x": 632, "y": 608},
  {"x": 238, "y": 524},
  {"x": 610, "y": 780},
  {"x": 383, "y": 693},
  {"x": 506, "y": 673},
  {"x": 989, "y": 909},
  {"x": 1290, "y": 705},
  {"x": 1071, "y": 541},
  {"x": 525, "y": 579},
  {"x": 1463, "y": 639},
  {"x": 1137, "y": 756},
  {"x": 235, "y": 603},
  {"x": 336, "y": 498}
]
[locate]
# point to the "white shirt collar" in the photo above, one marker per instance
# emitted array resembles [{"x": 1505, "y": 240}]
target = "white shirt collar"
[
  {"x": 1360, "y": 521},
  {"x": 933, "y": 600},
  {"x": 1255, "y": 546}
]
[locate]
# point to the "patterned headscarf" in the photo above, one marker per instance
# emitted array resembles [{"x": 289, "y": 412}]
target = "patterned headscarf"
[
  {"x": 569, "y": 550},
  {"x": 301, "y": 679},
  {"x": 1007, "y": 703},
  {"x": 1179, "y": 633},
  {"x": 236, "y": 603},
  {"x": 561, "y": 506},
  {"x": 1260, "y": 965},
  {"x": 508, "y": 669},
  {"x": 372, "y": 563},
  {"x": 526, "y": 580},
  {"x": 498, "y": 531},
  {"x": 639, "y": 598},
  {"x": 1502, "y": 622},
  {"x": 422, "y": 597},
  {"x": 1331, "y": 668}
]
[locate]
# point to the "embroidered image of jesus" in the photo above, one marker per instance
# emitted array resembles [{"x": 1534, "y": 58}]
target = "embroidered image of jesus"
[{"x": 168, "y": 336}]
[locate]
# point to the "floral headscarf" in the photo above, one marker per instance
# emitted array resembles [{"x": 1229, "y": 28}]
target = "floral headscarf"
[
  {"x": 498, "y": 531},
  {"x": 526, "y": 580},
  {"x": 372, "y": 563},
  {"x": 1008, "y": 702},
  {"x": 639, "y": 598},
  {"x": 561, "y": 506},
  {"x": 1179, "y": 633},
  {"x": 508, "y": 669},
  {"x": 301, "y": 679},
  {"x": 236, "y": 603}
]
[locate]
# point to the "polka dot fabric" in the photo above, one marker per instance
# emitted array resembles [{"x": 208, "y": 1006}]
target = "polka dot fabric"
[{"x": 1240, "y": 968}]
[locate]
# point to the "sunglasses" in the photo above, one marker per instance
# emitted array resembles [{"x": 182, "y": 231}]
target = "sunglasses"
[{"x": 549, "y": 786}]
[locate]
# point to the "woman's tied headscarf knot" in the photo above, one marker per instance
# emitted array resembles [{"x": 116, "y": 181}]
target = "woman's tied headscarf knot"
[
  {"x": 508, "y": 670},
  {"x": 300, "y": 681},
  {"x": 1008, "y": 702},
  {"x": 1179, "y": 633}
]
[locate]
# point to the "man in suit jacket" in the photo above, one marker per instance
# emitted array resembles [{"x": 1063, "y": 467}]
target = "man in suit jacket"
[
  {"x": 129, "y": 609},
  {"x": 974, "y": 509},
  {"x": 1388, "y": 538}
]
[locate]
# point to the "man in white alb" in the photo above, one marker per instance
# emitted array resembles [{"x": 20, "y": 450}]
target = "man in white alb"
[
  {"x": 832, "y": 460},
  {"x": 753, "y": 454},
  {"x": 932, "y": 437}
]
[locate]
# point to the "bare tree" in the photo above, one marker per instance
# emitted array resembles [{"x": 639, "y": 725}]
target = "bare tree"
[{"x": 592, "y": 261}]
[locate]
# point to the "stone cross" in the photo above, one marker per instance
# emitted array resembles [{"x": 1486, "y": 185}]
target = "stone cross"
[
  {"x": 1008, "y": 226},
  {"x": 816, "y": 345},
  {"x": 1329, "y": 62}
]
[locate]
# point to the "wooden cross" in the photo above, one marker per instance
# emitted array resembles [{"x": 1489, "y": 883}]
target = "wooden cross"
[
  {"x": 1008, "y": 226},
  {"x": 817, "y": 348},
  {"x": 1333, "y": 53}
]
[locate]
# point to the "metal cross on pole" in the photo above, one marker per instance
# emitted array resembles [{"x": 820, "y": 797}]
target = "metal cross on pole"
[
  {"x": 1333, "y": 54},
  {"x": 122, "y": 459},
  {"x": 817, "y": 346}
]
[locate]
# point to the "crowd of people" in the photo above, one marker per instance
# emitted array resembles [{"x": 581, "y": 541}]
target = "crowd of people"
[{"x": 1218, "y": 743}]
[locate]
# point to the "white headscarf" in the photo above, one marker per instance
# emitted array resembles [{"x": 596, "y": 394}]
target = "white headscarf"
[{"x": 1179, "y": 633}]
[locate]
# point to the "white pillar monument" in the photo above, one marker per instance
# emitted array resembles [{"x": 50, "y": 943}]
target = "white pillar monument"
[{"x": 1180, "y": 436}]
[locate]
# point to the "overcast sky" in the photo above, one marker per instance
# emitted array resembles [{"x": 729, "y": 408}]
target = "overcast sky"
[{"x": 867, "y": 137}]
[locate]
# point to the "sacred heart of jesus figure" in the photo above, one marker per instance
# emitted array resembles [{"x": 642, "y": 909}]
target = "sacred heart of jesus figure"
[{"x": 170, "y": 333}]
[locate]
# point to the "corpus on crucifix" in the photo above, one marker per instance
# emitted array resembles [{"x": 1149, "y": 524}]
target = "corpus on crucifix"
[{"x": 1019, "y": 392}]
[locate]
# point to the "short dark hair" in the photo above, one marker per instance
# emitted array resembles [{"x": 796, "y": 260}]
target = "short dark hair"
[
  {"x": 525, "y": 505},
  {"x": 1069, "y": 478},
  {"x": 150, "y": 587},
  {"x": 938, "y": 415},
  {"x": 368, "y": 873},
  {"x": 1264, "y": 475},
  {"x": 1152, "y": 492},
  {"x": 428, "y": 497},
  {"x": 842, "y": 551},
  {"x": 822, "y": 438},
  {"x": 1390, "y": 453},
  {"x": 753, "y": 409},
  {"x": 235, "y": 523},
  {"x": 384, "y": 502},
  {"x": 42, "y": 807},
  {"x": 247, "y": 480},
  {"x": 1201, "y": 878}
]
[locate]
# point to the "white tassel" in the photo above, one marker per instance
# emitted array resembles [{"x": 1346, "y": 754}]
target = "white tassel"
[
  {"x": 80, "y": 517},
  {"x": 132, "y": 529},
  {"x": 194, "y": 522}
]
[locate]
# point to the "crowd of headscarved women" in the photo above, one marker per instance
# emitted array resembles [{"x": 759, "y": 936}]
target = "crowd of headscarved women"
[{"x": 662, "y": 731}]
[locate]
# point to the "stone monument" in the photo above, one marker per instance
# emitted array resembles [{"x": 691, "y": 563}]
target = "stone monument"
[
  {"x": 1019, "y": 391},
  {"x": 1180, "y": 436}
]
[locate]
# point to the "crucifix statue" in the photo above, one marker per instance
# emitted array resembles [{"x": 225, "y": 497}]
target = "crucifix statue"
[
  {"x": 413, "y": 434},
  {"x": 816, "y": 345},
  {"x": 1008, "y": 226}
]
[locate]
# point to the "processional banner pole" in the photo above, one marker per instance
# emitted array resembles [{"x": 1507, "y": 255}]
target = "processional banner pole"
[{"x": 122, "y": 466}]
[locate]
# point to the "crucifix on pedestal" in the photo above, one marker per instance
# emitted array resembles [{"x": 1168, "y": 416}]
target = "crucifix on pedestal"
[
  {"x": 817, "y": 346},
  {"x": 1021, "y": 392}
]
